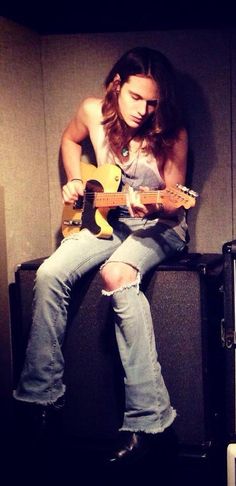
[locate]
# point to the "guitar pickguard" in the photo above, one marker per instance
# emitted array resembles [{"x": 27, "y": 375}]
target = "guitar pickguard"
[
  {"x": 88, "y": 219},
  {"x": 105, "y": 178}
]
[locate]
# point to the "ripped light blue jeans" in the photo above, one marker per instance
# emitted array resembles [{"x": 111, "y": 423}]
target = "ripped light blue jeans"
[{"x": 141, "y": 243}]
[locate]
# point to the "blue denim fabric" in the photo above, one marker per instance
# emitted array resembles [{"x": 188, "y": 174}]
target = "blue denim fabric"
[{"x": 141, "y": 243}]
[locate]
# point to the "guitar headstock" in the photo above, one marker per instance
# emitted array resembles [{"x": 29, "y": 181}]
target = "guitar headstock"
[{"x": 180, "y": 195}]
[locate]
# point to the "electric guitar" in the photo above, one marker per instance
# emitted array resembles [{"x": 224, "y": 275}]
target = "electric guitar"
[{"x": 100, "y": 195}]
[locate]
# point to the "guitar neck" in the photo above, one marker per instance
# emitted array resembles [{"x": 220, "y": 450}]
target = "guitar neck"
[
  {"x": 105, "y": 200},
  {"x": 178, "y": 196}
]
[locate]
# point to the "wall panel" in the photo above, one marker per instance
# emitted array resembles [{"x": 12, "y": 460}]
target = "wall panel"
[
  {"x": 23, "y": 162},
  {"x": 233, "y": 50},
  {"x": 5, "y": 335}
]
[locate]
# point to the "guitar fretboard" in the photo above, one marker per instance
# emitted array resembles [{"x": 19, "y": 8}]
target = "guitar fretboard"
[
  {"x": 177, "y": 196},
  {"x": 103, "y": 200}
]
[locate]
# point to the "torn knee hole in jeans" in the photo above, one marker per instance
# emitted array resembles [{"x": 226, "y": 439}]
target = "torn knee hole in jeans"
[{"x": 126, "y": 286}]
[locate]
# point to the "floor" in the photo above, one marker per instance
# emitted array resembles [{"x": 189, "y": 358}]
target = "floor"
[{"x": 57, "y": 459}]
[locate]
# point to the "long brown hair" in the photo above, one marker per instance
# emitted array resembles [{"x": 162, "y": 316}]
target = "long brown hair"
[{"x": 162, "y": 127}]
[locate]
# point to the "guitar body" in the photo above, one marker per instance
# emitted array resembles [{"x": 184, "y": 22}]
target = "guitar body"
[{"x": 105, "y": 178}]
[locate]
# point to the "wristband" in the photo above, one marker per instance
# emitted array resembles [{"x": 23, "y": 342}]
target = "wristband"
[{"x": 76, "y": 180}]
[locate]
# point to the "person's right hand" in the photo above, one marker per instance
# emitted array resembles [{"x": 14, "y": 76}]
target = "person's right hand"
[{"x": 71, "y": 191}]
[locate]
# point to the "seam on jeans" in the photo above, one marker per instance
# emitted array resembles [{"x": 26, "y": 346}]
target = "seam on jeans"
[
  {"x": 153, "y": 358},
  {"x": 66, "y": 287}
]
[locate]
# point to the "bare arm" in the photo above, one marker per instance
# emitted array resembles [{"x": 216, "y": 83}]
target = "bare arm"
[
  {"x": 175, "y": 168},
  {"x": 174, "y": 172},
  {"x": 76, "y": 131}
]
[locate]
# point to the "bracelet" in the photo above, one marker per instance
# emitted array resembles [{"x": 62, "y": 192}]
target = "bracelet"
[{"x": 76, "y": 180}]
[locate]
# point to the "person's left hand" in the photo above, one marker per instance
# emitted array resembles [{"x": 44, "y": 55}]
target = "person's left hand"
[{"x": 135, "y": 207}]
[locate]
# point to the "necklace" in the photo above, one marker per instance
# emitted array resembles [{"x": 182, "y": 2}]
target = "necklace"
[
  {"x": 125, "y": 151},
  {"x": 129, "y": 170}
]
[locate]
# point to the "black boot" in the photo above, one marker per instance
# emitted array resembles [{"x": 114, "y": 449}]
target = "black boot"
[
  {"x": 35, "y": 422},
  {"x": 35, "y": 439},
  {"x": 137, "y": 445},
  {"x": 134, "y": 445}
]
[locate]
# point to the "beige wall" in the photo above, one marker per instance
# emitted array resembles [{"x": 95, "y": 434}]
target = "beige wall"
[
  {"x": 23, "y": 161},
  {"x": 234, "y": 131},
  {"x": 5, "y": 334}
]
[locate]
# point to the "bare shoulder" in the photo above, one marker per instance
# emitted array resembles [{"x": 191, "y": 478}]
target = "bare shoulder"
[
  {"x": 90, "y": 110},
  {"x": 175, "y": 164},
  {"x": 182, "y": 138},
  {"x": 180, "y": 145}
]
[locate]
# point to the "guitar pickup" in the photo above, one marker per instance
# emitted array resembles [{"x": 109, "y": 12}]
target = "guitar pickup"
[{"x": 72, "y": 222}]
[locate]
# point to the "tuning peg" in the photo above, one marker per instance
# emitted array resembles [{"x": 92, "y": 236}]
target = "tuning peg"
[
  {"x": 182, "y": 188},
  {"x": 193, "y": 193},
  {"x": 187, "y": 190}
]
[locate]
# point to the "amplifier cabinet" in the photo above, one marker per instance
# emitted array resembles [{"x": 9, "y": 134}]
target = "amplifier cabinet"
[
  {"x": 229, "y": 336},
  {"x": 186, "y": 303}
]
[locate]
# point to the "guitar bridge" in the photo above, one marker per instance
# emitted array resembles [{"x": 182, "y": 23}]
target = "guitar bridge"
[{"x": 72, "y": 222}]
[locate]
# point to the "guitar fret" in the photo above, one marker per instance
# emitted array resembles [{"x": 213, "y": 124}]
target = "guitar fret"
[
  {"x": 103, "y": 200},
  {"x": 149, "y": 197}
]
